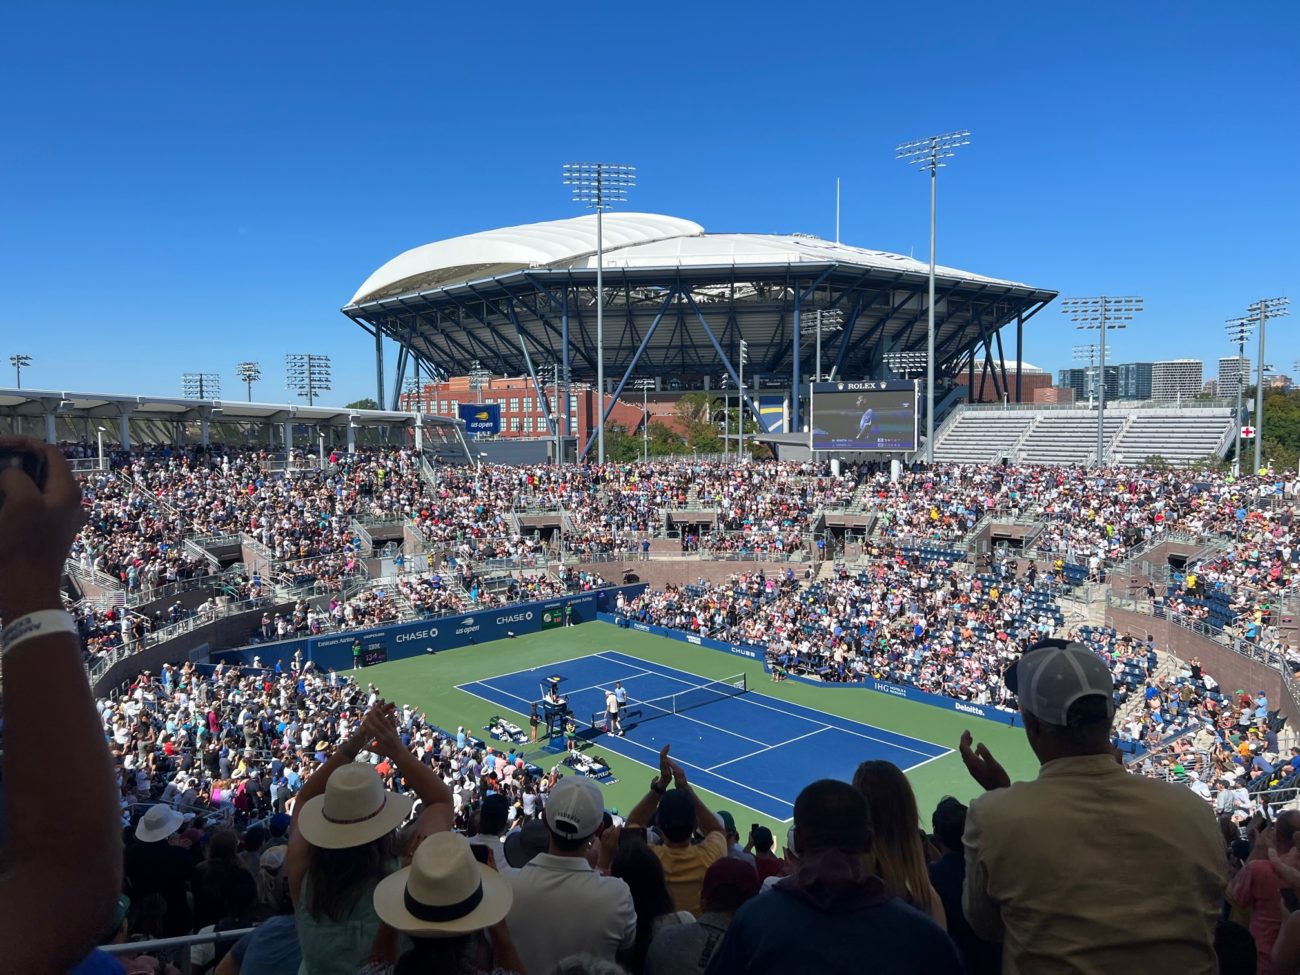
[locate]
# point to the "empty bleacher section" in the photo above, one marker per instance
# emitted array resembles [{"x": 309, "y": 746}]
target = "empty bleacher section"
[
  {"x": 977, "y": 437},
  {"x": 1178, "y": 436},
  {"x": 1067, "y": 438}
]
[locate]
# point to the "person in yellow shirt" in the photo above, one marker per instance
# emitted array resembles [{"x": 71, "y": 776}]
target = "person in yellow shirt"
[{"x": 681, "y": 813}]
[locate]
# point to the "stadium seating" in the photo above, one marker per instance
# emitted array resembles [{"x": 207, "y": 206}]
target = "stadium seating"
[
  {"x": 982, "y": 436},
  {"x": 1067, "y": 438},
  {"x": 1179, "y": 437}
]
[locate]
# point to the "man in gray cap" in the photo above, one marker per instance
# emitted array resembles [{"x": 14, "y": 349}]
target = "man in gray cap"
[{"x": 1086, "y": 868}]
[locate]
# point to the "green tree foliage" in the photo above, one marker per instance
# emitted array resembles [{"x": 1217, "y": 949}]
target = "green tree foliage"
[
  {"x": 695, "y": 414},
  {"x": 1281, "y": 431},
  {"x": 363, "y": 404}
]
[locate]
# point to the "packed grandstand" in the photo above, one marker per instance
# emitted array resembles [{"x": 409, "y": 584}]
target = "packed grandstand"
[{"x": 839, "y": 577}]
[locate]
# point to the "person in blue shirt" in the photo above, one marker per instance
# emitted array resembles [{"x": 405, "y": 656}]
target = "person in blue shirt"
[{"x": 831, "y": 916}]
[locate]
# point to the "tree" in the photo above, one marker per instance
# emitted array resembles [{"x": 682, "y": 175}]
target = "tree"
[
  {"x": 1281, "y": 431},
  {"x": 363, "y": 404},
  {"x": 695, "y": 413}
]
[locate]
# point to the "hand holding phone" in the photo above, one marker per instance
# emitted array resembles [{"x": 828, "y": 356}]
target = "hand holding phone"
[{"x": 40, "y": 514}]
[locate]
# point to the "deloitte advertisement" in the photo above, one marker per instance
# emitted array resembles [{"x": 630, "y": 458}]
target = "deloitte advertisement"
[{"x": 375, "y": 646}]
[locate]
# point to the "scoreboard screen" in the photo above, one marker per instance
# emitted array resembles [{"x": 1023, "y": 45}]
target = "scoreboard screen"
[{"x": 869, "y": 415}]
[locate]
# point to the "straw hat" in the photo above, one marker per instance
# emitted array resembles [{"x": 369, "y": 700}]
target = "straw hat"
[
  {"x": 444, "y": 892},
  {"x": 355, "y": 809},
  {"x": 158, "y": 824}
]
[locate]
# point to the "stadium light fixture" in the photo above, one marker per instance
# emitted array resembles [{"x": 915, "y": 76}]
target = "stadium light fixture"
[
  {"x": 829, "y": 321},
  {"x": 478, "y": 378},
  {"x": 1102, "y": 313},
  {"x": 1264, "y": 311},
  {"x": 307, "y": 374},
  {"x": 929, "y": 153},
  {"x": 249, "y": 373},
  {"x": 645, "y": 385},
  {"x": 905, "y": 364},
  {"x": 19, "y": 362},
  {"x": 599, "y": 185},
  {"x": 200, "y": 385},
  {"x": 742, "y": 358},
  {"x": 1238, "y": 330},
  {"x": 1087, "y": 354}
]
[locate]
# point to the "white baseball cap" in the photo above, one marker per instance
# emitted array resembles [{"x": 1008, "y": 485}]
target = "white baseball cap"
[
  {"x": 575, "y": 808},
  {"x": 1053, "y": 674}
]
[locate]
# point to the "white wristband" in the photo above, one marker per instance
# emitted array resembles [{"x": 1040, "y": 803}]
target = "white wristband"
[{"x": 42, "y": 623}]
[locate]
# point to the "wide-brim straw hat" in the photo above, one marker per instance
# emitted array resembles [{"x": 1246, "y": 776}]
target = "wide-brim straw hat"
[
  {"x": 354, "y": 810},
  {"x": 444, "y": 892}
]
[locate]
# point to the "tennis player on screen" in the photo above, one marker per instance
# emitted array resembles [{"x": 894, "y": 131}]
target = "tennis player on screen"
[{"x": 864, "y": 424}]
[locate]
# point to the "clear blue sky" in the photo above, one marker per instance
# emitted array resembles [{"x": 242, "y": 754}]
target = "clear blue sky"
[{"x": 187, "y": 185}]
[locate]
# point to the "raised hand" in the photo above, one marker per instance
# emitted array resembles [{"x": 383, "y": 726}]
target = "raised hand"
[
  {"x": 982, "y": 766},
  {"x": 665, "y": 767}
]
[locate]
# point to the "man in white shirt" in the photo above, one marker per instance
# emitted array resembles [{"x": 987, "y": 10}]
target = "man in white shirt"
[{"x": 561, "y": 905}]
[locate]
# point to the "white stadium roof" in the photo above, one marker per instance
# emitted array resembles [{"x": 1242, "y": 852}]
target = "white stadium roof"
[{"x": 632, "y": 240}]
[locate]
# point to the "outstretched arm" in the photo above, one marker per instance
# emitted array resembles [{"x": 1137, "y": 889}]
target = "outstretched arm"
[{"x": 48, "y": 924}]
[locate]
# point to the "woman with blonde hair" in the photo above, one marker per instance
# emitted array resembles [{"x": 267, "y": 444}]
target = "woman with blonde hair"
[{"x": 897, "y": 851}]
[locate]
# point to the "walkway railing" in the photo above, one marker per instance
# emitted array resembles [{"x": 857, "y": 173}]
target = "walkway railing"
[{"x": 177, "y": 950}]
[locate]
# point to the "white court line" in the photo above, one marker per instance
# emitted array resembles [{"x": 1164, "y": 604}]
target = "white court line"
[
  {"x": 748, "y": 699},
  {"x": 698, "y": 768},
  {"x": 929, "y": 760},
  {"x": 529, "y": 670},
  {"x": 655, "y": 766},
  {"x": 791, "y": 741}
]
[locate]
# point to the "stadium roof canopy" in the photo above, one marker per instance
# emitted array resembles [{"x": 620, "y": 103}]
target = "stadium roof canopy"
[{"x": 678, "y": 301}]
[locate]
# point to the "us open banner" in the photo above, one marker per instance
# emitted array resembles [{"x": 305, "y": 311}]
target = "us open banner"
[{"x": 481, "y": 418}]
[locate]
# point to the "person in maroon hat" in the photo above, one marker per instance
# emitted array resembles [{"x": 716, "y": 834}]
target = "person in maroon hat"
[{"x": 685, "y": 948}]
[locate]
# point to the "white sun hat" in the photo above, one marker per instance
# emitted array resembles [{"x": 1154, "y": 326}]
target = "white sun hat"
[
  {"x": 355, "y": 809},
  {"x": 444, "y": 892}
]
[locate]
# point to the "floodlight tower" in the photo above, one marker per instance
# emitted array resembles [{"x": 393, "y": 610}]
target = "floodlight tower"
[
  {"x": 249, "y": 373},
  {"x": 478, "y": 378},
  {"x": 1101, "y": 313},
  {"x": 741, "y": 359},
  {"x": 1087, "y": 354},
  {"x": 200, "y": 385},
  {"x": 1264, "y": 311},
  {"x": 19, "y": 362},
  {"x": 307, "y": 374},
  {"x": 906, "y": 364},
  {"x": 929, "y": 153},
  {"x": 1238, "y": 330},
  {"x": 599, "y": 185},
  {"x": 829, "y": 321},
  {"x": 645, "y": 385}
]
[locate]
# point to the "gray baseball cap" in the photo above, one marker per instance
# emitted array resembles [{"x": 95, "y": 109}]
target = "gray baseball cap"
[{"x": 1053, "y": 674}]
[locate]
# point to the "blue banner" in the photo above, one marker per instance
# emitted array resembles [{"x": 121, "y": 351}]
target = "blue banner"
[
  {"x": 481, "y": 418},
  {"x": 754, "y": 652},
  {"x": 380, "y": 644},
  {"x": 771, "y": 412}
]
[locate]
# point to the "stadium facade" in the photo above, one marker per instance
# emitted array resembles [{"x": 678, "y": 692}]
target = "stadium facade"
[{"x": 678, "y": 301}]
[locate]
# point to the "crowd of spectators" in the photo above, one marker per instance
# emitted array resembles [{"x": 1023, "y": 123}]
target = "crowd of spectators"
[{"x": 903, "y": 620}]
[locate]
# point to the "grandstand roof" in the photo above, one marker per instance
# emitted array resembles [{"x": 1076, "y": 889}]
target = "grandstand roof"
[{"x": 503, "y": 296}]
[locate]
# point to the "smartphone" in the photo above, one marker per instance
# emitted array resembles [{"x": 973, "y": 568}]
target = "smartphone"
[
  {"x": 32, "y": 464},
  {"x": 480, "y": 852}
]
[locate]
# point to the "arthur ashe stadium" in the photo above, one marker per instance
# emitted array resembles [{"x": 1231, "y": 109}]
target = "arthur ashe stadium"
[
  {"x": 678, "y": 302},
  {"x": 251, "y": 578}
]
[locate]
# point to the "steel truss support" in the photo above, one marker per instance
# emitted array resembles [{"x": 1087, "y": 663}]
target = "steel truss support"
[
  {"x": 631, "y": 367},
  {"x": 717, "y": 347},
  {"x": 532, "y": 371}
]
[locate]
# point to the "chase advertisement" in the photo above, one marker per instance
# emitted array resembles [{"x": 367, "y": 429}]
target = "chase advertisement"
[
  {"x": 482, "y": 419},
  {"x": 869, "y": 415},
  {"x": 436, "y": 634}
]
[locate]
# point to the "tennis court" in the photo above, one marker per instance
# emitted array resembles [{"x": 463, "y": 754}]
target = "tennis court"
[{"x": 755, "y": 750}]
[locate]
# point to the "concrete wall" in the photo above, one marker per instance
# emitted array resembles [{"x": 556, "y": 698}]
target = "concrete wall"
[
  {"x": 1230, "y": 669},
  {"x": 680, "y": 572}
]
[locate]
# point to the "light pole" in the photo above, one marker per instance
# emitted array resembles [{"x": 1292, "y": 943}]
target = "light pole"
[
  {"x": 99, "y": 435},
  {"x": 1238, "y": 331},
  {"x": 645, "y": 385},
  {"x": 307, "y": 374},
  {"x": 928, "y": 153},
  {"x": 200, "y": 385},
  {"x": 19, "y": 361},
  {"x": 600, "y": 185},
  {"x": 830, "y": 320},
  {"x": 1101, "y": 313},
  {"x": 1087, "y": 354},
  {"x": 905, "y": 364},
  {"x": 1264, "y": 311},
  {"x": 249, "y": 373},
  {"x": 740, "y": 411}
]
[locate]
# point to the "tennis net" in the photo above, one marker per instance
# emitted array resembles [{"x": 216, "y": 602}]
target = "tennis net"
[{"x": 692, "y": 697}]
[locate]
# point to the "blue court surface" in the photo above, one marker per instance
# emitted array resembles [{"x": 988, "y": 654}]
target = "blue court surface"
[{"x": 755, "y": 750}]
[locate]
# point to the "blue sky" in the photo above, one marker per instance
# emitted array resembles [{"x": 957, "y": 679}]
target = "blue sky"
[{"x": 186, "y": 186}]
